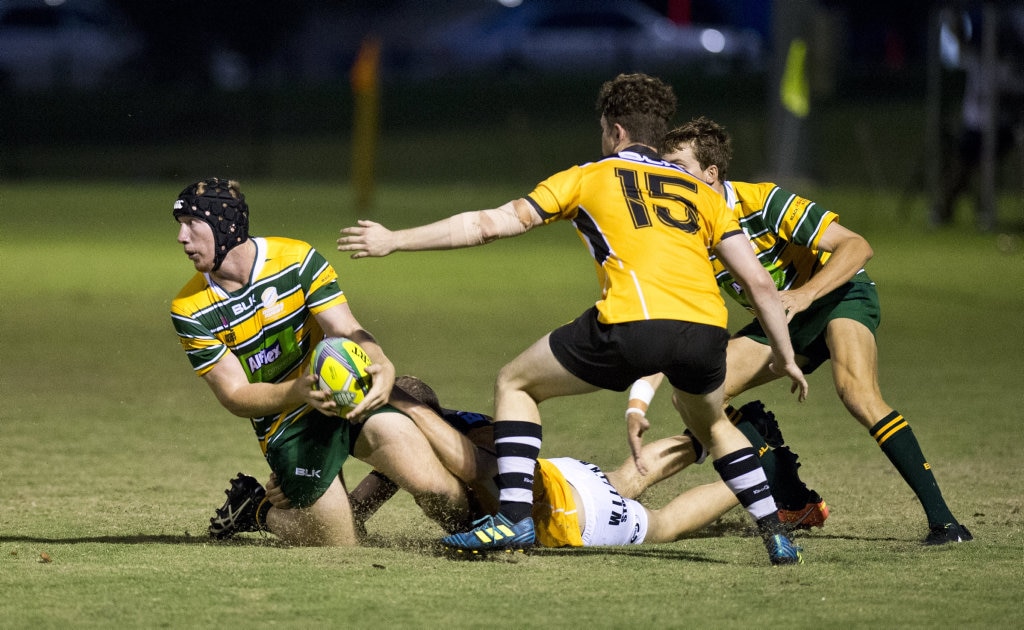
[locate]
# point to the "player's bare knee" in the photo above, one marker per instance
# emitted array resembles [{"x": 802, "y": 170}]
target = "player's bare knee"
[
  {"x": 510, "y": 380},
  {"x": 863, "y": 402}
]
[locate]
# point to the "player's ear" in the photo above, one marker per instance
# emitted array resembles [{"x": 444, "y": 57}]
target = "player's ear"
[
  {"x": 619, "y": 133},
  {"x": 711, "y": 175}
]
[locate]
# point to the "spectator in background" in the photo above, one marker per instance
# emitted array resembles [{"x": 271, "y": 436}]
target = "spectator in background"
[{"x": 1000, "y": 87}]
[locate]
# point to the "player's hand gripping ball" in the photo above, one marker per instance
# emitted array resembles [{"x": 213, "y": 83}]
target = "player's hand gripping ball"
[{"x": 340, "y": 367}]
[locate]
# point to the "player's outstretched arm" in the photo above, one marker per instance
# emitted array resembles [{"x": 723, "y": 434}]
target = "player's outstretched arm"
[
  {"x": 467, "y": 229},
  {"x": 636, "y": 416},
  {"x": 738, "y": 257},
  {"x": 640, "y": 396}
]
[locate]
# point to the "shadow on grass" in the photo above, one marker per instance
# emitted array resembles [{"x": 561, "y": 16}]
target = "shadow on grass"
[
  {"x": 433, "y": 547},
  {"x": 798, "y": 537},
  {"x": 658, "y": 553},
  {"x": 663, "y": 551},
  {"x": 146, "y": 539}
]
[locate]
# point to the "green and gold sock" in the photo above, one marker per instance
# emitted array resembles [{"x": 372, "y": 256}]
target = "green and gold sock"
[{"x": 897, "y": 441}]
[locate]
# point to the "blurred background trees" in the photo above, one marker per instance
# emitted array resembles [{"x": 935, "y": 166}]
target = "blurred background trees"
[{"x": 262, "y": 88}]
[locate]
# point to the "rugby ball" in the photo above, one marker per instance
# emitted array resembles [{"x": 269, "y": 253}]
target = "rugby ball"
[{"x": 340, "y": 367}]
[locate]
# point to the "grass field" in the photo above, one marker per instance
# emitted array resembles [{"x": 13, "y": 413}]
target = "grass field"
[{"x": 113, "y": 455}]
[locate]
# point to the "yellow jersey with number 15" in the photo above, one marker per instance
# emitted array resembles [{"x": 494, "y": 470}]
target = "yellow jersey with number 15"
[{"x": 650, "y": 227}]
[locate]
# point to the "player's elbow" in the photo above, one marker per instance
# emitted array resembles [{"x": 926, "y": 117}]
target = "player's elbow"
[
  {"x": 235, "y": 408},
  {"x": 234, "y": 403},
  {"x": 759, "y": 283},
  {"x": 867, "y": 250},
  {"x": 488, "y": 229},
  {"x": 502, "y": 222},
  {"x": 847, "y": 245},
  {"x": 858, "y": 250}
]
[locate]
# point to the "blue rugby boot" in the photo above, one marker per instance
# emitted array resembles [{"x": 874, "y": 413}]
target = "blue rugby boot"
[
  {"x": 493, "y": 533},
  {"x": 781, "y": 550}
]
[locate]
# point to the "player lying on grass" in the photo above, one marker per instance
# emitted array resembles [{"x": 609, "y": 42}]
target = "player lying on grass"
[
  {"x": 831, "y": 304},
  {"x": 247, "y": 321},
  {"x": 604, "y": 505},
  {"x": 576, "y": 504}
]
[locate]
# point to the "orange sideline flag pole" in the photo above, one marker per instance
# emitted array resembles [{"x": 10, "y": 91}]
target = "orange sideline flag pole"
[{"x": 365, "y": 79}]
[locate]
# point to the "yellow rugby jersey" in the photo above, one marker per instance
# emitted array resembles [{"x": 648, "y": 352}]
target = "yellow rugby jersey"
[
  {"x": 650, "y": 227},
  {"x": 785, "y": 230},
  {"x": 554, "y": 510},
  {"x": 268, "y": 325}
]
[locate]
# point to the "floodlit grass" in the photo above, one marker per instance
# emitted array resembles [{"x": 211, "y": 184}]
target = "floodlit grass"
[{"x": 113, "y": 456}]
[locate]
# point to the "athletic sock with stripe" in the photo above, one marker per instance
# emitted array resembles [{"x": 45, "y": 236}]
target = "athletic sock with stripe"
[
  {"x": 898, "y": 442},
  {"x": 517, "y": 445},
  {"x": 742, "y": 473}
]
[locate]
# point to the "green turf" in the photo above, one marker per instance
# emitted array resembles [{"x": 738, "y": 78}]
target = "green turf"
[{"x": 113, "y": 455}]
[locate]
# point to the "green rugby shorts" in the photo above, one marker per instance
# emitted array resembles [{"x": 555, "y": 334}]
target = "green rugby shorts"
[
  {"x": 854, "y": 300},
  {"x": 310, "y": 452}
]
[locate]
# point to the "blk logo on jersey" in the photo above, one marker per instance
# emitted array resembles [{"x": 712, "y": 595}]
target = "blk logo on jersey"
[{"x": 243, "y": 305}]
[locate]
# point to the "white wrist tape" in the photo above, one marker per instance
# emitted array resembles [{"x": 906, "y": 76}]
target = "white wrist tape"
[
  {"x": 642, "y": 390},
  {"x": 635, "y": 410}
]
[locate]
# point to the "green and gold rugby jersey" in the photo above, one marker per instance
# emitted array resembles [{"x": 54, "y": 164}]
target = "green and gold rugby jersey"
[
  {"x": 784, "y": 229},
  {"x": 268, "y": 325},
  {"x": 649, "y": 226}
]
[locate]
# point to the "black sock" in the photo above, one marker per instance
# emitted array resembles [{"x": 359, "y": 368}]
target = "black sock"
[{"x": 790, "y": 492}]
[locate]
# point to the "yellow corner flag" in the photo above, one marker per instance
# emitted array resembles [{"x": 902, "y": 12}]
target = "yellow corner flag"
[
  {"x": 366, "y": 91},
  {"x": 795, "y": 91}
]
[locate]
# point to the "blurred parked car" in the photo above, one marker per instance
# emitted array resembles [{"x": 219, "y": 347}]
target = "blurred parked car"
[
  {"x": 61, "y": 43},
  {"x": 559, "y": 36}
]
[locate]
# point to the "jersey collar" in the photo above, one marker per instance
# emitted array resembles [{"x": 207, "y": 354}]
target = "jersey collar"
[
  {"x": 643, "y": 150},
  {"x": 730, "y": 194}
]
